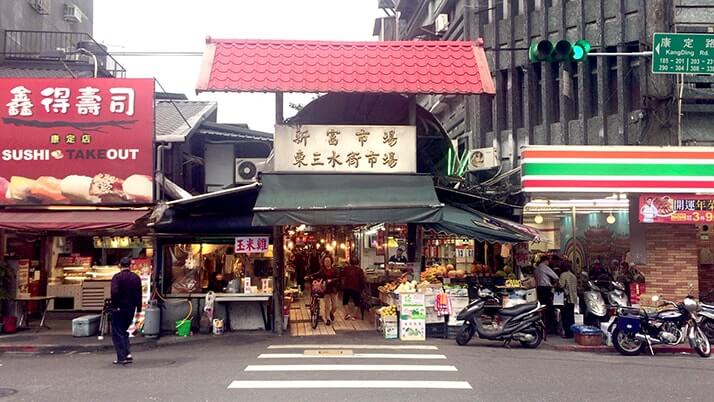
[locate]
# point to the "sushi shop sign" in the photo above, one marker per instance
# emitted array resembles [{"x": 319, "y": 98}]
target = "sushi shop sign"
[
  {"x": 76, "y": 141},
  {"x": 345, "y": 149}
]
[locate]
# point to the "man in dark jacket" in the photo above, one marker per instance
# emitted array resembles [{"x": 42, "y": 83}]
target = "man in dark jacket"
[{"x": 126, "y": 300}]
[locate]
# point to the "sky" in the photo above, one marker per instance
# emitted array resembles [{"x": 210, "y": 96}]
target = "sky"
[{"x": 182, "y": 26}]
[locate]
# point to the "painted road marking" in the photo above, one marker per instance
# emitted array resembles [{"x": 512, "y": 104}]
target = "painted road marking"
[
  {"x": 392, "y": 347},
  {"x": 350, "y": 384},
  {"x": 350, "y": 367},
  {"x": 352, "y": 356}
]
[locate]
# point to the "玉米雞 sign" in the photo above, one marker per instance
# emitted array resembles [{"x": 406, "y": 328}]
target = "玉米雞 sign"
[
  {"x": 76, "y": 141},
  {"x": 345, "y": 149},
  {"x": 251, "y": 244}
]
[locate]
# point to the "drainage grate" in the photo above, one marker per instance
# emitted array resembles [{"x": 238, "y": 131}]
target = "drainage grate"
[{"x": 329, "y": 352}]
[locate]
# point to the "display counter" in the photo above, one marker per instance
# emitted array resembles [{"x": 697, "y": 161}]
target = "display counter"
[{"x": 242, "y": 311}]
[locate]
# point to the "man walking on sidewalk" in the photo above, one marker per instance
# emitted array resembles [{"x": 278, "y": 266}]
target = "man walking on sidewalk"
[
  {"x": 126, "y": 299},
  {"x": 569, "y": 284}
]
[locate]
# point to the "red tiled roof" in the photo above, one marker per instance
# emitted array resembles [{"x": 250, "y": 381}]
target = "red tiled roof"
[{"x": 416, "y": 67}]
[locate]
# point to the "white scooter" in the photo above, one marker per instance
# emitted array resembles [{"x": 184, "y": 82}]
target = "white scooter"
[{"x": 600, "y": 297}]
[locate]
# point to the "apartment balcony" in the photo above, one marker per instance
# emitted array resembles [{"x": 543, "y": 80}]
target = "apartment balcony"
[{"x": 67, "y": 47}]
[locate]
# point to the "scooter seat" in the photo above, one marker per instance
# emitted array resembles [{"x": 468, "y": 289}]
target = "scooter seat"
[{"x": 516, "y": 310}]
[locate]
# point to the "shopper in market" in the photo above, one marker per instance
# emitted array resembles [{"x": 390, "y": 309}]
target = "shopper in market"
[
  {"x": 126, "y": 300},
  {"x": 353, "y": 283},
  {"x": 545, "y": 278},
  {"x": 569, "y": 283},
  {"x": 329, "y": 274},
  {"x": 399, "y": 257}
]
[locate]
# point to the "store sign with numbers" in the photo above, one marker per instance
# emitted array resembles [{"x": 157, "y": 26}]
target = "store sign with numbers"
[
  {"x": 76, "y": 141},
  {"x": 345, "y": 149}
]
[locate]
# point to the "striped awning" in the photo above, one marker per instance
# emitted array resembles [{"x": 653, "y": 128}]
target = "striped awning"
[{"x": 623, "y": 169}]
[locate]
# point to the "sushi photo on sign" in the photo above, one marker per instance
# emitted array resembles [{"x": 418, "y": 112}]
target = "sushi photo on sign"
[{"x": 76, "y": 141}]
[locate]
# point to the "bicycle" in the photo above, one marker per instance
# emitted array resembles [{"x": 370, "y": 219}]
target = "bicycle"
[{"x": 316, "y": 291}]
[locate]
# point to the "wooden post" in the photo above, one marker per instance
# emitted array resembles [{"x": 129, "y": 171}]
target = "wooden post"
[
  {"x": 279, "y": 119},
  {"x": 278, "y": 279}
]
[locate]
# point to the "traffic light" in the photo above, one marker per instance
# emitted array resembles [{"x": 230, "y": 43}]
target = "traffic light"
[{"x": 559, "y": 51}]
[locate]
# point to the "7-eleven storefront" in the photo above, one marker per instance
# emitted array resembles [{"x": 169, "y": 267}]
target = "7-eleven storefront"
[{"x": 650, "y": 206}]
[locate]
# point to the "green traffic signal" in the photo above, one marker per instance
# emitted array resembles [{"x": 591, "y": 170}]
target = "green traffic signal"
[
  {"x": 562, "y": 50},
  {"x": 580, "y": 50}
]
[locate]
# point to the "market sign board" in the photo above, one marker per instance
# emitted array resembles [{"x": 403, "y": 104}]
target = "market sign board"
[
  {"x": 683, "y": 53},
  {"x": 676, "y": 208},
  {"x": 251, "y": 244},
  {"x": 86, "y": 141},
  {"x": 617, "y": 169},
  {"x": 345, "y": 149}
]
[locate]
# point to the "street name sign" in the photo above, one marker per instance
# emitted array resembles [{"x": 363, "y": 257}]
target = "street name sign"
[{"x": 683, "y": 53}]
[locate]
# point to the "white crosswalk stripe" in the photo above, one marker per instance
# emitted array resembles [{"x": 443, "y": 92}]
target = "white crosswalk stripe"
[
  {"x": 269, "y": 384},
  {"x": 352, "y": 356},
  {"x": 314, "y": 370},
  {"x": 350, "y": 367}
]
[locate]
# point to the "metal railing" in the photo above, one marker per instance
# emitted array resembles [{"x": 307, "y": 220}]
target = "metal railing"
[{"x": 51, "y": 45}]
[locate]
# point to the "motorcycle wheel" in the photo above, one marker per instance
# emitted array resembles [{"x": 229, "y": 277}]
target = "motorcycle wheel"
[
  {"x": 626, "y": 344},
  {"x": 538, "y": 333},
  {"x": 700, "y": 343},
  {"x": 466, "y": 332}
]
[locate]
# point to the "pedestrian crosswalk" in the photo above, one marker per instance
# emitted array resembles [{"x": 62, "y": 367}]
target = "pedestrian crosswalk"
[{"x": 337, "y": 366}]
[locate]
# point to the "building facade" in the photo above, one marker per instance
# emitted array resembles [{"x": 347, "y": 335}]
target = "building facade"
[
  {"x": 602, "y": 101},
  {"x": 613, "y": 100}
]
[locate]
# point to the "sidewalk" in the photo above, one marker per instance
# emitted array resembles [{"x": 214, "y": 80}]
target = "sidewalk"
[{"x": 59, "y": 339}]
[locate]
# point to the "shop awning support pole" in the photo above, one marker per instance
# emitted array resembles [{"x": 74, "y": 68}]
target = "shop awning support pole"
[
  {"x": 3, "y": 245},
  {"x": 279, "y": 118},
  {"x": 575, "y": 238},
  {"x": 278, "y": 279}
]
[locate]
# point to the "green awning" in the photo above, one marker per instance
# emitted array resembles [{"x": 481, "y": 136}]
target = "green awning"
[
  {"x": 345, "y": 199},
  {"x": 473, "y": 224}
]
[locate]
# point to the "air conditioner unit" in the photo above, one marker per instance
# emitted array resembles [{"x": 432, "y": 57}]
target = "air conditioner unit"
[
  {"x": 247, "y": 169},
  {"x": 72, "y": 13},
  {"x": 482, "y": 159},
  {"x": 441, "y": 24},
  {"x": 41, "y": 6}
]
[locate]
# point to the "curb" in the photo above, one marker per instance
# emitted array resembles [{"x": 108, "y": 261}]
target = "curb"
[
  {"x": 610, "y": 349},
  {"x": 50, "y": 349}
]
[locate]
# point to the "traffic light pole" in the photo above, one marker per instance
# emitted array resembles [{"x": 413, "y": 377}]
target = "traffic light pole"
[{"x": 607, "y": 54}]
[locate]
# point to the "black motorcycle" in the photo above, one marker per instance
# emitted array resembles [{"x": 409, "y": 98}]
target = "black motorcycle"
[
  {"x": 635, "y": 329},
  {"x": 522, "y": 323}
]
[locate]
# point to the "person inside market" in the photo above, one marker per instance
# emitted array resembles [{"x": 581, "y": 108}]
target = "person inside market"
[
  {"x": 569, "y": 283},
  {"x": 313, "y": 262},
  {"x": 353, "y": 283},
  {"x": 627, "y": 275},
  {"x": 545, "y": 278},
  {"x": 399, "y": 257},
  {"x": 300, "y": 263},
  {"x": 126, "y": 300},
  {"x": 217, "y": 283},
  {"x": 330, "y": 275}
]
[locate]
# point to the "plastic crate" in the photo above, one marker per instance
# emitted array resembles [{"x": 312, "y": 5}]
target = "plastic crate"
[{"x": 588, "y": 340}]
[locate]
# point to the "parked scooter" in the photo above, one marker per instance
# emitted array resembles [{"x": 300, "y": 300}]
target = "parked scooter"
[
  {"x": 635, "y": 329},
  {"x": 522, "y": 323},
  {"x": 600, "y": 297},
  {"x": 706, "y": 316}
]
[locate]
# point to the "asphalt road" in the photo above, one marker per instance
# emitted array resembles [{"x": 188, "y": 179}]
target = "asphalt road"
[{"x": 205, "y": 371}]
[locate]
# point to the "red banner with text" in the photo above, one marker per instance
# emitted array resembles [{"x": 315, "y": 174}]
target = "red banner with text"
[
  {"x": 76, "y": 141},
  {"x": 676, "y": 208}
]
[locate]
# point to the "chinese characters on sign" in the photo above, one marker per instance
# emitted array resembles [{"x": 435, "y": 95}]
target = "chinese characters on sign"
[
  {"x": 253, "y": 244},
  {"x": 683, "y": 53},
  {"x": 345, "y": 149},
  {"x": 76, "y": 141},
  {"x": 676, "y": 208}
]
